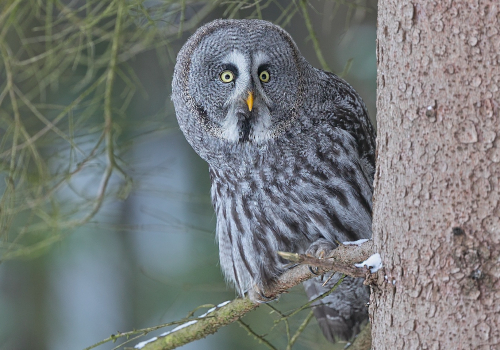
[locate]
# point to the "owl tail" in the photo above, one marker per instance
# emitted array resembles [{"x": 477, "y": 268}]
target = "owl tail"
[{"x": 340, "y": 314}]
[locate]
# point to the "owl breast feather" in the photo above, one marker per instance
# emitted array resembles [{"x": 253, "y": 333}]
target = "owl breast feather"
[{"x": 283, "y": 199}]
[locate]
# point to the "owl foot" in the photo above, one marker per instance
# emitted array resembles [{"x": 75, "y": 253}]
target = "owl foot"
[
  {"x": 257, "y": 295},
  {"x": 314, "y": 270},
  {"x": 320, "y": 249}
]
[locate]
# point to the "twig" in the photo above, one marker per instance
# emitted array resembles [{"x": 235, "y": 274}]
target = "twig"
[
  {"x": 319, "y": 297},
  {"x": 108, "y": 119},
  {"x": 299, "y": 331},
  {"x": 282, "y": 318},
  {"x": 56, "y": 120},
  {"x": 141, "y": 332},
  {"x": 312, "y": 34},
  {"x": 258, "y": 337}
]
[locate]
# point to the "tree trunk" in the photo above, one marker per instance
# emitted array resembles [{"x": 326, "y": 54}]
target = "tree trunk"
[{"x": 436, "y": 209}]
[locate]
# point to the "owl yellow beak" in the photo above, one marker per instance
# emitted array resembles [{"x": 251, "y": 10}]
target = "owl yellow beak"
[{"x": 249, "y": 100}]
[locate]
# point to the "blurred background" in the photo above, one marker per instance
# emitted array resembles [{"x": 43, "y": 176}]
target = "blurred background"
[{"x": 106, "y": 223}]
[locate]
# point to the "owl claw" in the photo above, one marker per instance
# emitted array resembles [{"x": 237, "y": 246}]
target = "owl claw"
[
  {"x": 265, "y": 298},
  {"x": 257, "y": 295},
  {"x": 314, "y": 270},
  {"x": 321, "y": 250}
]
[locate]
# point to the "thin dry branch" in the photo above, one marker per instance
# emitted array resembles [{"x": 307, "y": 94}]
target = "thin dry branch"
[
  {"x": 260, "y": 338},
  {"x": 299, "y": 331},
  {"x": 312, "y": 34},
  {"x": 342, "y": 259}
]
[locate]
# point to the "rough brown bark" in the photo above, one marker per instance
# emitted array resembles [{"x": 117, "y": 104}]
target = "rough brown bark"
[{"x": 436, "y": 211}]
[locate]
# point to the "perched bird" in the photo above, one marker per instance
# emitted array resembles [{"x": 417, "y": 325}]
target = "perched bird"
[{"x": 291, "y": 154}]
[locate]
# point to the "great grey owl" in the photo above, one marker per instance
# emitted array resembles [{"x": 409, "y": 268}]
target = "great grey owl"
[{"x": 291, "y": 154}]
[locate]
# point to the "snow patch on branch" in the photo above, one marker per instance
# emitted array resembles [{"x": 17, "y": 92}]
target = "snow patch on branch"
[
  {"x": 358, "y": 242},
  {"x": 214, "y": 308},
  {"x": 374, "y": 263},
  {"x": 223, "y": 304},
  {"x": 189, "y": 323},
  {"x": 143, "y": 343}
]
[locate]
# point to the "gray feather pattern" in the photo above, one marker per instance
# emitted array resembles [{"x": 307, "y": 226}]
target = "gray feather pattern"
[{"x": 294, "y": 172}]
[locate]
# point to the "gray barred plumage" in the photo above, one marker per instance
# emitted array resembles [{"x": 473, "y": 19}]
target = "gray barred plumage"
[{"x": 291, "y": 165}]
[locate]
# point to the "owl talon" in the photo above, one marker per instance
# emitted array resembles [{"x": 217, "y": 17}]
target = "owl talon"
[
  {"x": 257, "y": 295},
  {"x": 314, "y": 270},
  {"x": 321, "y": 248},
  {"x": 265, "y": 297}
]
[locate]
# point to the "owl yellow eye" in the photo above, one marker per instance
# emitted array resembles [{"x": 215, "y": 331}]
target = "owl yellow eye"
[
  {"x": 264, "y": 76},
  {"x": 227, "y": 76}
]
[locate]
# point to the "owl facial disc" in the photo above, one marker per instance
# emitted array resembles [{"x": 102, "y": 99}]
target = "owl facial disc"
[
  {"x": 248, "y": 107},
  {"x": 241, "y": 85}
]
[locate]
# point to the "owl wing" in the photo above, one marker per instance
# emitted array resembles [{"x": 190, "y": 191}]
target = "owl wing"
[
  {"x": 347, "y": 111},
  {"x": 341, "y": 314}
]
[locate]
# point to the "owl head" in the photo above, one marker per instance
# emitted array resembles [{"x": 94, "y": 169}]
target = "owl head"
[{"x": 237, "y": 82}]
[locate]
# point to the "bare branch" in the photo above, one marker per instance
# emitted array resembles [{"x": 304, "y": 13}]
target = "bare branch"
[
  {"x": 300, "y": 330},
  {"x": 201, "y": 327},
  {"x": 341, "y": 259},
  {"x": 260, "y": 338}
]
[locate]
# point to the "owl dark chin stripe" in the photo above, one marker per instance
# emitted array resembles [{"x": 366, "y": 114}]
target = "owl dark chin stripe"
[
  {"x": 244, "y": 123},
  {"x": 244, "y": 127}
]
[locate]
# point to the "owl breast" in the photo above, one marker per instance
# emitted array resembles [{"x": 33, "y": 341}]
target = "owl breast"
[{"x": 284, "y": 197}]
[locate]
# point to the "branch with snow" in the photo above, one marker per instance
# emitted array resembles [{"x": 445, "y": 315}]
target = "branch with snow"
[
  {"x": 344, "y": 259},
  {"x": 374, "y": 263},
  {"x": 208, "y": 323}
]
